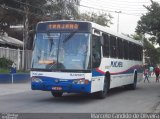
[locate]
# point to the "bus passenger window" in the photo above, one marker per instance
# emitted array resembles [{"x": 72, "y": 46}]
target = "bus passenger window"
[
  {"x": 131, "y": 55},
  {"x": 105, "y": 45},
  {"x": 96, "y": 51},
  {"x": 126, "y": 50},
  {"x": 120, "y": 48},
  {"x": 113, "y": 46}
]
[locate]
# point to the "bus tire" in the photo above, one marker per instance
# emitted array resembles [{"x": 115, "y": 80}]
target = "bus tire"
[
  {"x": 134, "y": 84},
  {"x": 102, "y": 94},
  {"x": 57, "y": 94}
]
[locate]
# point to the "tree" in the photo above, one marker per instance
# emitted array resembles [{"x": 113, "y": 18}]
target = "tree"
[
  {"x": 26, "y": 12},
  {"x": 151, "y": 52},
  {"x": 29, "y": 12},
  {"x": 63, "y": 9},
  {"x": 8, "y": 16},
  {"x": 149, "y": 23},
  {"x": 101, "y": 18}
]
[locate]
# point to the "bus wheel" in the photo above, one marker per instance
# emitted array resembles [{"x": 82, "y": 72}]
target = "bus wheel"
[
  {"x": 57, "y": 94},
  {"x": 102, "y": 94},
  {"x": 134, "y": 84}
]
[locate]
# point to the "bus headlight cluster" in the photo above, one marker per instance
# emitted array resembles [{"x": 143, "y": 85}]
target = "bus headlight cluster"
[
  {"x": 81, "y": 81},
  {"x": 35, "y": 79}
]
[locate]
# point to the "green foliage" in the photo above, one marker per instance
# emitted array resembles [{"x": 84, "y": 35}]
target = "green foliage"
[
  {"x": 137, "y": 37},
  {"x": 150, "y": 22},
  {"x": 151, "y": 52},
  {"x": 4, "y": 71},
  {"x": 5, "y": 63},
  {"x": 22, "y": 71},
  {"x": 101, "y": 18}
]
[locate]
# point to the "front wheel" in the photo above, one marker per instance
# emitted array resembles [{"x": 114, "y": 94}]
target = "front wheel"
[
  {"x": 57, "y": 94},
  {"x": 102, "y": 94}
]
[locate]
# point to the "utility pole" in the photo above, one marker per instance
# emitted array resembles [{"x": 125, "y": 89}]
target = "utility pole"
[
  {"x": 118, "y": 20},
  {"x": 25, "y": 33}
]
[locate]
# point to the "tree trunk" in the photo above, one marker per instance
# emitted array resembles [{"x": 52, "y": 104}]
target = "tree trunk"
[{"x": 25, "y": 33}]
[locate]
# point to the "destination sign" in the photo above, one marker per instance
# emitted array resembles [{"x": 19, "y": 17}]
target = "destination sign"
[{"x": 64, "y": 26}]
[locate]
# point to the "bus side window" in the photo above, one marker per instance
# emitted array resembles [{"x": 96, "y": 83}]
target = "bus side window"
[
  {"x": 141, "y": 53},
  {"x": 105, "y": 45},
  {"x": 120, "y": 48},
  {"x": 135, "y": 52},
  {"x": 126, "y": 50},
  {"x": 113, "y": 46},
  {"x": 131, "y": 51},
  {"x": 96, "y": 51}
]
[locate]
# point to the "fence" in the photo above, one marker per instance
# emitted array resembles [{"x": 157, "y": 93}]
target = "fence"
[{"x": 16, "y": 55}]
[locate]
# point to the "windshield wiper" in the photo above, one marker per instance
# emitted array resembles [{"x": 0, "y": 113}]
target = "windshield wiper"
[{"x": 69, "y": 36}]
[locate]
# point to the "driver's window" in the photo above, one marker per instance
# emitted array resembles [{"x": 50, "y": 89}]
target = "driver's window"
[{"x": 96, "y": 51}]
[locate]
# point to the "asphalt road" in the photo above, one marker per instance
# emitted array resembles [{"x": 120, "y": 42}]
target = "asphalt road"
[{"x": 19, "y": 98}]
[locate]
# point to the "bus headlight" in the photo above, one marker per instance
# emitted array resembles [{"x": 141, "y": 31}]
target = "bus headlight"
[
  {"x": 80, "y": 81},
  {"x": 35, "y": 79}
]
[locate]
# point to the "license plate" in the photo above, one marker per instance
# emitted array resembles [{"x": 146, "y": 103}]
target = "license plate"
[{"x": 57, "y": 88}]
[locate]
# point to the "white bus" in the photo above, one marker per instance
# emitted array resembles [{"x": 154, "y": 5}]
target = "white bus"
[{"x": 83, "y": 57}]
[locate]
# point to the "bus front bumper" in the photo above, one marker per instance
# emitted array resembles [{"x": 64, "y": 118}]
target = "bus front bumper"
[{"x": 62, "y": 87}]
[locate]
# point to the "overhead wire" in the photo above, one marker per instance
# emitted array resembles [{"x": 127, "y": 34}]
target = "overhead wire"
[
  {"x": 110, "y": 11},
  {"x": 102, "y": 8},
  {"x": 115, "y": 3},
  {"x": 21, "y": 11},
  {"x": 136, "y": 11},
  {"x": 135, "y": 8}
]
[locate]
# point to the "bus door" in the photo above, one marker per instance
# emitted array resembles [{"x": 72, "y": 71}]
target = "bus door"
[{"x": 97, "y": 79}]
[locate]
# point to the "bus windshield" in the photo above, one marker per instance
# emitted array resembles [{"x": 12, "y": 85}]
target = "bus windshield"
[{"x": 61, "y": 51}]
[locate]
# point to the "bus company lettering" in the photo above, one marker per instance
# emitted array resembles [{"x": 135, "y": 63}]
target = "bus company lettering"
[
  {"x": 37, "y": 74},
  {"x": 116, "y": 64},
  {"x": 76, "y": 74}
]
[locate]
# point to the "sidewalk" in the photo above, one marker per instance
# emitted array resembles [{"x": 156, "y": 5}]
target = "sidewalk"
[{"x": 6, "y": 89}]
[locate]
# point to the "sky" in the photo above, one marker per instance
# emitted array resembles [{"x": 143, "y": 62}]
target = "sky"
[{"x": 131, "y": 11}]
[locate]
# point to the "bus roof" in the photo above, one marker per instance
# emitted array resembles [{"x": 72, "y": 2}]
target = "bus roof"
[
  {"x": 101, "y": 28},
  {"x": 107, "y": 30}
]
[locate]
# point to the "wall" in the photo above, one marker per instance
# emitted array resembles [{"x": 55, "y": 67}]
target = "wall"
[
  {"x": 17, "y": 78},
  {"x": 16, "y": 55}
]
